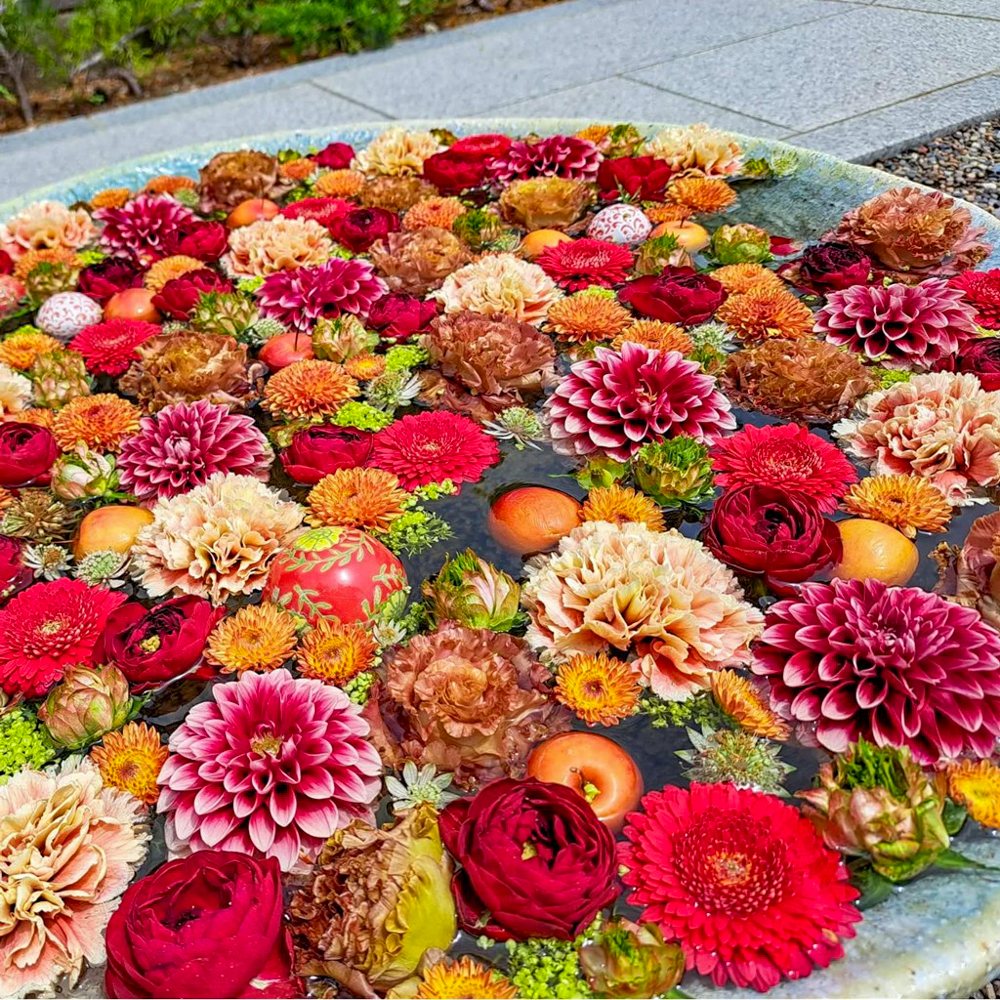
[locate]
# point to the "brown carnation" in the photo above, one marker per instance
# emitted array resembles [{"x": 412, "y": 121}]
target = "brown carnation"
[
  {"x": 229, "y": 178},
  {"x": 397, "y": 194},
  {"x": 545, "y": 202},
  {"x": 418, "y": 262},
  {"x": 436, "y": 211}
]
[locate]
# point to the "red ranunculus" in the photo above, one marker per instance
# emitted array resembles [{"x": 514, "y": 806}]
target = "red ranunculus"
[
  {"x": 206, "y": 241},
  {"x": 451, "y": 172},
  {"x": 208, "y": 925},
  {"x": 112, "y": 275},
  {"x": 180, "y": 295},
  {"x": 156, "y": 645},
  {"x": 399, "y": 316},
  {"x": 27, "y": 452},
  {"x": 359, "y": 228},
  {"x": 6, "y": 263},
  {"x": 536, "y": 861},
  {"x": 776, "y": 533},
  {"x": 486, "y": 145},
  {"x": 976, "y": 357},
  {"x": 335, "y": 156},
  {"x": 318, "y": 450},
  {"x": 828, "y": 267},
  {"x": 676, "y": 295},
  {"x": 633, "y": 178},
  {"x": 14, "y": 575}
]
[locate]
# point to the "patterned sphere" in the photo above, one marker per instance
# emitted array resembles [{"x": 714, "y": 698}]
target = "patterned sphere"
[
  {"x": 620, "y": 224},
  {"x": 66, "y": 314},
  {"x": 334, "y": 573}
]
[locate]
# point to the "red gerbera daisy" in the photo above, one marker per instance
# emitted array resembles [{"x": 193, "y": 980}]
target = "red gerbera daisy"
[
  {"x": 982, "y": 292},
  {"x": 576, "y": 264},
  {"x": 325, "y": 211},
  {"x": 432, "y": 446},
  {"x": 46, "y": 628},
  {"x": 786, "y": 456},
  {"x": 741, "y": 881},
  {"x": 109, "y": 348}
]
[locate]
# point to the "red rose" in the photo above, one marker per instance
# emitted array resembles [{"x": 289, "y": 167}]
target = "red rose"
[
  {"x": 325, "y": 211},
  {"x": 451, "y": 172},
  {"x": 776, "y": 533},
  {"x": 27, "y": 452},
  {"x": 677, "y": 295},
  {"x": 180, "y": 295},
  {"x": 206, "y": 241},
  {"x": 977, "y": 357},
  {"x": 359, "y": 228},
  {"x": 110, "y": 276},
  {"x": 317, "y": 451},
  {"x": 633, "y": 178},
  {"x": 209, "y": 925},
  {"x": 399, "y": 316},
  {"x": 335, "y": 156},
  {"x": 536, "y": 861},
  {"x": 483, "y": 146},
  {"x": 156, "y": 645},
  {"x": 828, "y": 267},
  {"x": 14, "y": 575}
]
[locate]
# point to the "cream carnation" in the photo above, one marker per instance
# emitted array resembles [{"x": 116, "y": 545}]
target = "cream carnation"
[
  {"x": 46, "y": 225},
  {"x": 15, "y": 391},
  {"x": 278, "y": 244},
  {"x": 697, "y": 149},
  {"x": 500, "y": 285},
  {"x": 397, "y": 151}
]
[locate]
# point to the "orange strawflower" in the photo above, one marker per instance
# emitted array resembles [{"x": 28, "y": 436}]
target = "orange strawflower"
[
  {"x": 19, "y": 349},
  {"x": 668, "y": 213},
  {"x": 110, "y": 198},
  {"x": 436, "y": 211},
  {"x": 335, "y": 652},
  {"x": 169, "y": 268},
  {"x": 598, "y": 689},
  {"x": 587, "y": 316},
  {"x": 131, "y": 760},
  {"x": 365, "y": 366},
  {"x": 909, "y": 503},
  {"x": 258, "y": 637},
  {"x": 655, "y": 334},
  {"x": 621, "y": 504},
  {"x": 464, "y": 978},
  {"x": 32, "y": 258},
  {"x": 297, "y": 170},
  {"x": 339, "y": 183},
  {"x": 743, "y": 703},
  {"x": 977, "y": 787},
  {"x": 739, "y": 278},
  {"x": 101, "y": 422},
  {"x": 705, "y": 195},
  {"x": 369, "y": 499},
  {"x": 308, "y": 388},
  {"x": 763, "y": 313},
  {"x": 169, "y": 184}
]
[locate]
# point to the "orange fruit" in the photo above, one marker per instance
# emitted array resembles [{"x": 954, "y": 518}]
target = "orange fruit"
[
  {"x": 132, "y": 303},
  {"x": 531, "y": 519},
  {"x": 875, "y": 551},
  {"x": 541, "y": 239},
  {"x": 251, "y": 210},
  {"x": 690, "y": 236},
  {"x": 113, "y": 527}
]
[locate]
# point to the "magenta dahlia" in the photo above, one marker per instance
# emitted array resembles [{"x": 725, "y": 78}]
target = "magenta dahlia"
[
  {"x": 299, "y": 298},
  {"x": 555, "y": 156},
  {"x": 433, "y": 446},
  {"x": 981, "y": 290},
  {"x": 894, "y": 665},
  {"x": 786, "y": 456},
  {"x": 140, "y": 228},
  {"x": 576, "y": 264},
  {"x": 109, "y": 348},
  {"x": 182, "y": 445},
  {"x": 272, "y": 765},
  {"x": 901, "y": 325},
  {"x": 617, "y": 401},
  {"x": 741, "y": 881}
]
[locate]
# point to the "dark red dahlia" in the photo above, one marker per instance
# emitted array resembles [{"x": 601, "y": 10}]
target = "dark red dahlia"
[
  {"x": 142, "y": 228},
  {"x": 828, "y": 267},
  {"x": 325, "y": 211},
  {"x": 180, "y": 295},
  {"x": 555, "y": 156},
  {"x": 977, "y": 357},
  {"x": 982, "y": 292},
  {"x": 110, "y": 276},
  {"x": 575, "y": 264},
  {"x": 109, "y": 348}
]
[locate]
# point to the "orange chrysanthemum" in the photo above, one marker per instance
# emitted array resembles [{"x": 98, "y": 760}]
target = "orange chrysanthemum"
[
  {"x": 339, "y": 183},
  {"x": 740, "y": 278},
  {"x": 762, "y": 313},
  {"x": 598, "y": 689},
  {"x": 169, "y": 268},
  {"x": 587, "y": 316},
  {"x": 334, "y": 652},
  {"x": 101, "y": 422},
  {"x": 594, "y": 133},
  {"x": 131, "y": 760},
  {"x": 259, "y": 637},
  {"x": 977, "y": 787},
  {"x": 436, "y": 211},
  {"x": 297, "y": 170},
  {"x": 169, "y": 184},
  {"x": 54, "y": 255},
  {"x": 620, "y": 504},
  {"x": 909, "y": 503},
  {"x": 6, "y": 498},
  {"x": 36, "y": 415},
  {"x": 20, "y": 349},
  {"x": 742, "y": 702},
  {"x": 110, "y": 198},
  {"x": 365, "y": 366},
  {"x": 308, "y": 388},
  {"x": 369, "y": 499},
  {"x": 656, "y": 334},
  {"x": 706, "y": 195},
  {"x": 668, "y": 213},
  {"x": 464, "y": 978}
]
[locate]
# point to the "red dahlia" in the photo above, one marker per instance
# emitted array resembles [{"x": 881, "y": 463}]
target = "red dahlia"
[
  {"x": 741, "y": 881},
  {"x": 982, "y": 292},
  {"x": 109, "y": 348},
  {"x": 432, "y": 446},
  {"x": 576, "y": 264},
  {"x": 553, "y": 156}
]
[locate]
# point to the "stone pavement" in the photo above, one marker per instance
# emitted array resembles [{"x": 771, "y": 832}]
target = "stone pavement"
[{"x": 857, "y": 78}]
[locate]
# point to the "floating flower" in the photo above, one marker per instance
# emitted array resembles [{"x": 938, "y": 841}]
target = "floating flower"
[
  {"x": 366, "y": 366},
  {"x": 258, "y": 637},
  {"x": 828, "y": 267},
  {"x": 435, "y": 211},
  {"x": 141, "y": 228},
  {"x": 674, "y": 473},
  {"x": 500, "y": 285},
  {"x": 46, "y": 225},
  {"x": 908, "y": 503},
  {"x": 230, "y": 178},
  {"x": 697, "y": 149},
  {"x": 15, "y": 392},
  {"x": 968, "y": 575},
  {"x": 552, "y": 156},
  {"x": 474, "y": 593},
  {"x": 620, "y": 505},
  {"x": 339, "y": 183},
  {"x": 464, "y": 978},
  {"x": 24, "y": 743},
  {"x": 109, "y": 348},
  {"x": 743, "y": 702},
  {"x": 977, "y": 787},
  {"x": 735, "y": 757},
  {"x": 397, "y": 151},
  {"x": 57, "y": 260},
  {"x": 576, "y": 264},
  {"x": 318, "y": 450},
  {"x": 335, "y": 652},
  {"x": 981, "y": 290},
  {"x": 654, "y": 334},
  {"x": 394, "y": 194},
  {"x": 169, "y": 184},
  {"x": 705, "y": 195},
  {"x": 765, "y": 312},
  {"x": 130, "y": 760},
  {"x": 625, "y": 959},
  {"x": 168, "y": 268},
  {"x": 307, "y": 389},
  {"x": 271, "y": 765},
  {"x": 785, "y": 456},
  {"x": 586, "y": 317},
  {"x": 278, "y": 244},
  {"x": 598, "y": 689},
  {"x": 101, "y": 422},
  {"x": 369, "y": 499},
  {"x": 111, "y": 198},
  {"x": 740, "y": 278},
  {"x": 87, "y": 702},
  {"x": 545, "y": 202},
  {"x": 20, "y": 349},
  {"x": 418, "y": 262},
  {"x": 674, "y": 295}
]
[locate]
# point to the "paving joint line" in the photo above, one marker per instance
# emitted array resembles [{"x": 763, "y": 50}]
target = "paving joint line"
[{"x": 350, "y": 100}]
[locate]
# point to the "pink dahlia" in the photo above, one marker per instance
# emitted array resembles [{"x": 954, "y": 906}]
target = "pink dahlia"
[
  {"x": 576, "y": 264},
  {"x": 617, "y": 401},
  {"x": 432, "y": 446},
  {"x": 109, "y": 348},
  {"x": 741, "y": 881},
  {"x": 787, "y": 457},
  {"x": 182, "y": 445},
  {"x": 981, "y": 289},
  {"x": 894, "y": 665},
  {"x": 555, "y": 156},
  {"x": 140, "y": 228},
  {"x": 900, "y": 324},
  {"x": 299, "y": 298},
  {"x": 48, "y": 627},
  {"x": 272, "y": 765}
]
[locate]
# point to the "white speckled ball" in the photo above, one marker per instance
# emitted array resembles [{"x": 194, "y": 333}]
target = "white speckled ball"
[
  {"x": 620, "y": 224},
  {"x": 65, "y": 314}
]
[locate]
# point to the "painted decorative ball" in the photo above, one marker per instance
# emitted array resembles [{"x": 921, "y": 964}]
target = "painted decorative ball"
[
  {"x": 66, "y": 314},
  {"x": 620, "y": 224},
  {"x": 334, "y": 573}
]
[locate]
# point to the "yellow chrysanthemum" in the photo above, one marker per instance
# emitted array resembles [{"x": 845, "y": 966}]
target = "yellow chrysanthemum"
[
  {"x": 587, "y": 317},
  {"x": 620, "y": 504},
  {"x": 743, "y": 703},
  {"x": 297, "y": 170},
  {"x": 909, "y": 503},
  {"x": 131, "y": 760},
  {"x": 258, "y": 637},
  {"x": 169, "y": 268},
  {"x": 334, "y": 652},
  {"x": 977, "y": 787},
  {"x": 54, "y": 255},
  {"x": 655, "y": 334},
  {"x": 706, "y": 195},
  {"x": 594, "y": 133},
  {"x": 110, "y": 198},
  {"x": 101, "y": 422},
  {"x": 762, "y": 313},
  {"x": 308, "y": 388},
  {"x": 365, "y": 366},
  {"x": 598, "y": 689},
  {"x": 740, "y": 278},
  {"x": 339, "y": 183},
  {"x": 464, "y": 979},
  {"x": 668, "y": 213},
  {"x": 369, "y": 499},
  {"x": 169, "y": 184},
  {"x": 20, "y": 349},
  {"x": 436, "y": 211}
]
